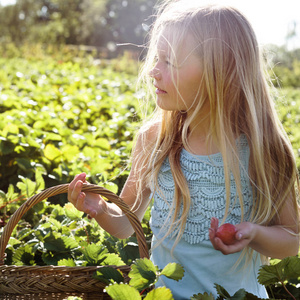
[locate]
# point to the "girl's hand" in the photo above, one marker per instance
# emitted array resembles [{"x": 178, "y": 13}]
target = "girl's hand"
[
  {"x": 89, "y": 203},
  {"x": 243, "y": 236}
]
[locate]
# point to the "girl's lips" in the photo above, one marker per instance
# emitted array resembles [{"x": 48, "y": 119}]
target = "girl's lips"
[{"x": 159, "y": 91}]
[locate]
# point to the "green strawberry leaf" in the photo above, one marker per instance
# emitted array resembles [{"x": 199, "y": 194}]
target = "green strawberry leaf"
[
  {"x": 160, "y": 293},
  {"x": 128, "y": 249},
  {"x": 67, "y": 262},
  {"x": 221, "y": 291},
  {"x": 288, "y": 268},
  {"x": 142, "y": 274},
  {"x": 96, "y": 255},
  {"x": 204, "y": 296},
  {"x": 111, "y": 259},
  {"x": 109, "y": 275},
  {"x": 91, "y": 253},
  {"x": 239, "y": 295},
  {"x": 24, "y": 255},
  {"x": 55, "y": 241},
  {"x": 50, "y": 258},
  {"x": 72, "y": 213},
  {"x": 122, "y": 292},
  {"x": 173, "y": 271}
]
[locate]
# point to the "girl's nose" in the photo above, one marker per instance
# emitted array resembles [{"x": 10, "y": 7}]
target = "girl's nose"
[{"x": 154, "y": 73}]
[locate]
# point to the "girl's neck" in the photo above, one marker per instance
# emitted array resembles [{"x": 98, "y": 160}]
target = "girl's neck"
[{"x": 200, "y": 141}]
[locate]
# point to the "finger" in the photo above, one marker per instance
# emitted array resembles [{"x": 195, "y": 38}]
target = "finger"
[
  {"x": 214, "y": 224},
  {"x": 74, "y": 192},
  {"x": 79, "y": 203},
  {"x": 81, "y": 176},
  {"x": 228, "y": 249}
]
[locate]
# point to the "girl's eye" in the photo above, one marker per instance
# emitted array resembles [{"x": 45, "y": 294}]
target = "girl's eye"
[{"x": 169, "y": 63}]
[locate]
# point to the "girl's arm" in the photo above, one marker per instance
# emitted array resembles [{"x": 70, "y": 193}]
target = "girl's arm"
[
  {"x": 109, "y": 216},
  {"x": 278, "y": 241}
]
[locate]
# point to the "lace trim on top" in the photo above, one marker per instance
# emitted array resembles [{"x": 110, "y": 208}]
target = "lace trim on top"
[{"x": 206, "y": 181}]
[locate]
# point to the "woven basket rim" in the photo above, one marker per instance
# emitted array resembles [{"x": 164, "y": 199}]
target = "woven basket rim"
[{"x": 12, "y": 273}]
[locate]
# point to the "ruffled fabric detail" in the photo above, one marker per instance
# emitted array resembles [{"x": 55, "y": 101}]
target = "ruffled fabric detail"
[{"x": 206, "y": 181}]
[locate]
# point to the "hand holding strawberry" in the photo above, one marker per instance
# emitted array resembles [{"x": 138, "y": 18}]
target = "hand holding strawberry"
[{"x": 230, "y": 238}]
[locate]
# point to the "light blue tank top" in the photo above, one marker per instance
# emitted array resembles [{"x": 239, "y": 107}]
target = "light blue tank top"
[{"x": 204, "y": 266}]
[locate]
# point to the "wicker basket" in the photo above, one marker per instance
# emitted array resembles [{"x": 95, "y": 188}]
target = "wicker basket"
[{"x": 59, "y": 282}]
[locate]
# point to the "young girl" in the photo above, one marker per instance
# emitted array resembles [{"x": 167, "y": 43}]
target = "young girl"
[{"x": 214, "y": 150}]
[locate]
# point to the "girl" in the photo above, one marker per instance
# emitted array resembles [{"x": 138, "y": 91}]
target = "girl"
[{"x": 214, "y": 150}]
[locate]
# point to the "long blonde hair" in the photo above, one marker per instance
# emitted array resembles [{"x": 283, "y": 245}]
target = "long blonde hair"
[{"x": 235, "y": 86}]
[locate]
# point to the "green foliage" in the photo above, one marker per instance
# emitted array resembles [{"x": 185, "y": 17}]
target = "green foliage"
[
  {"x": 98, "y": 22},
  {"x": 282, "y": 278},
  {"x": 288, "y": 108},
  {"x": 57, "y": 119},
  {"x": 144, "y": 275},
  {"x": 285, "y": 66},
  {"x": 61, "y": 117}
]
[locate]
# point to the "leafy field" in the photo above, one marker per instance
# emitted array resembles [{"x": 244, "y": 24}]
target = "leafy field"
[{"x": 62, "y": 117}]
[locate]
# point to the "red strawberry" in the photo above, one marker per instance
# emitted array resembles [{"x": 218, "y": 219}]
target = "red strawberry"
[{"x": 226, "y": 233}]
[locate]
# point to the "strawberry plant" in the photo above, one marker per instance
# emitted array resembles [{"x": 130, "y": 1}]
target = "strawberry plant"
[
  {"x": 59, "y": 117},
  {"x": 62, "y": 115}
]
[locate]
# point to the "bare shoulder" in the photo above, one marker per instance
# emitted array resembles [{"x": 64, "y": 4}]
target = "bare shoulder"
[{"x": 147, "y": 136}]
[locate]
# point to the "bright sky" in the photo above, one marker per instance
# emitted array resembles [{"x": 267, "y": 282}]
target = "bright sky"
[{"x": 270, "y": 19}]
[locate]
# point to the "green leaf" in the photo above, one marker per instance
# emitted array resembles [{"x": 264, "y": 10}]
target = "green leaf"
[
  {"x": 11, "y": 195},
  {"x": 24, "y": 255},
  {"x": 239, "y": 295},
  {"x": 95, "y": 256},
  {"x": 204, "y": 296},
  {"x": 72, "y": 212},
  {"x": 160, "y": 293},
  {"x": 52, "y": 258},
  {"x": 23, "y": 163},
  {"x": 55, "y": 241},
  {"x": 67, "y": 262},
  {"x": 109, "y": 275},
  {"x": 56, "y": 225},
  {"x": 288, "y": 268},
  {"x": 142, "y": 274},
  {"x": 111, "y": 187},
  {"x": 51, "y": 152},
  {"x": 128, "y": 249},
  {"x": 6, "y": 147},
  {"x": 10, "y": 129},
  {"x": 70, "y": 152},
  {"x": 91, "y": 253},
  {"x": 102, "y": 143},
  {"x": 111, "y": 259},
  {"x": 40, "y": 183},
  {"x": 221, "y": 291},
  {"x": 27, "y": 187},
  {"x": 173, "y": 271},
  {"x": 122, "y": 292}
]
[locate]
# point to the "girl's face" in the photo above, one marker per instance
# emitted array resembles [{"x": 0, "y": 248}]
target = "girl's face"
[{"x": 177, "y": 75}]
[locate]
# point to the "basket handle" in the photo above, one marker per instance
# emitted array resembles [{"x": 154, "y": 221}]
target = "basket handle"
[{"x": 63, "y": 188}]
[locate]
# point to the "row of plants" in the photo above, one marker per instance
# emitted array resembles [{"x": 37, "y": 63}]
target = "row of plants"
[
  {"x": 64, "y": 118},
  {"x": 52, "y": 234},
  {"x": 60, "y": 117}
]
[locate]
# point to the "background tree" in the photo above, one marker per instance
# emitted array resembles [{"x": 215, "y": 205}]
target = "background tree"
[{"x": 88, "y": 22}]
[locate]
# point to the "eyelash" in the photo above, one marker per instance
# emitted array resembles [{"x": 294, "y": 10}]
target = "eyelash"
[{"x": 167, "y": 62}]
